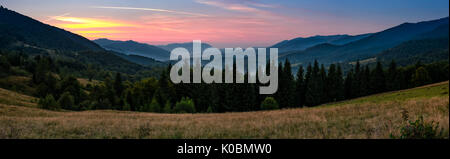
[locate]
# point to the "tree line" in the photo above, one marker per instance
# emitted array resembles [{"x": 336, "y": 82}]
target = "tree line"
[{"x": 310, "y": 86}]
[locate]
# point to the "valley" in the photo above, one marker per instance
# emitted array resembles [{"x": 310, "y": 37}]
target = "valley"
[
  {"x": 58, "y": 84},
  {"x": 372, "y": 117}
]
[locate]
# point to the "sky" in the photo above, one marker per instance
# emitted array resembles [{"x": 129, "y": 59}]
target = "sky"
[{"x": 225, "y": 23}]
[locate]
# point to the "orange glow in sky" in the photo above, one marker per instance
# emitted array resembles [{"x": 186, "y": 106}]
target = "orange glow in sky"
[
  {"x": 162, "y": 29},
  {"x": 225, "y": 23},
  {"x": 88, "y": 23}
]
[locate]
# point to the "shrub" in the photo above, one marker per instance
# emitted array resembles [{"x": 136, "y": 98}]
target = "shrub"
[
  {"x": 186, "y": 105},
  {"x": 154, "y": 106},
  {"x": 269, "y": 104},
  {"x": 168, "y": 107},
  {"x": 86, "y": 105},
  {"x": 48, "y": 103},
  {"x": 209, "y": 110},
  {"x": 420, "y": 129},
  {"x": 126, "y": 106},
  {"x": 66, "y": 101}
]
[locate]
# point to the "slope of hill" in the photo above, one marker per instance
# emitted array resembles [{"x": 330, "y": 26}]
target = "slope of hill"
[
  {"x": 376, "y": 116},
  {"x": 427, "y": 47},
  {"x": 141, "y": 60},
  {"x": 439, "y": 32},
  {"x": 369, "y": 46},
  {"x": 32, "y": 32},
  {"x": 300, "y": 43},
  {"x": 134, "y": 48},
  {"x": 425, "y": 51},
  {"x": 23, "y": 34}
]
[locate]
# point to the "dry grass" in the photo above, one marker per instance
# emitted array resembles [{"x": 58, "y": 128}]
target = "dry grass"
[
  {"x": 17, "y": 83},
  {"x": 351, "y": 119},
  {"x": 84, "y": 81},
  {"x": 13, "y": 98}
]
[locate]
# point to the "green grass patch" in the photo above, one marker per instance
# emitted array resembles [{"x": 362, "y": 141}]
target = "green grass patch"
[{"x": 435, "y": 90}]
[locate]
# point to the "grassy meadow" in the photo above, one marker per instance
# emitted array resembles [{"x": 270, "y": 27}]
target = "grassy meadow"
[{"x": 376, "y": 116}]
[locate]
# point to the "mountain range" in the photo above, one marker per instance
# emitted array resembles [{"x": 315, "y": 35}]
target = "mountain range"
[
  {"x": 406, "y": 41},
  {"x": 158, "y": 52},
  {"x": 134, "y": 48},
  {"x": 24, "y": 34},
  {"x": 370, "y": 46},
  {"x": 299, "y": 44}
]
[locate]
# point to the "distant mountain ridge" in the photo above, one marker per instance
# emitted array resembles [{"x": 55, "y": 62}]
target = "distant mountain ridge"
[
  {"x": 370, "y": 46},
  {"x": 299, "y": 44},
  {"x": 23, "y": 34},
  {"x": 134, "y": 48}
]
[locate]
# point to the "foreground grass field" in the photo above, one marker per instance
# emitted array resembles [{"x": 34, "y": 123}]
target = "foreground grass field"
[{"x": 375, "y": 116}]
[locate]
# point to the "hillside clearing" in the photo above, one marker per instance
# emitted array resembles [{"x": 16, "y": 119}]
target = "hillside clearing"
[{"x": 375, "y": 116}]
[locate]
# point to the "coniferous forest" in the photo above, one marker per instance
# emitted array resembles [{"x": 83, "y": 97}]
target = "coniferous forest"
[{"x": 312, "y": 85}]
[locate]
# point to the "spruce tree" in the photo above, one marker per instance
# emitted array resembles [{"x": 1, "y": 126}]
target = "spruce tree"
[
  {"x": 391, "y": 77},
  {"x": 339, "y": 84},
  {"x": 348, "y": 87},
  {"x": 332, "y": 84},
  {"x": 378, "y": 80},
  {"x": 357, "y": 80},
  {"x": 314, "y": 87},
  {"x": 365, "y": 82},
  {"x": 279, "y": 95},
  {"x": 300, "y": 88},
  {"x": 307, "y": 85},
  {"x": 322, "y": 85},
  {"x": 289, "y": 85}
]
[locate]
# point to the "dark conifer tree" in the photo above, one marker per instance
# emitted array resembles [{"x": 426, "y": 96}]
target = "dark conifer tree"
[
  {"x": 357, "y": 81},
  {"x": 289, "y": 85},
  {"x": 332, "y": 84},
  {"x": 300, "y": 88},
  {"x": 348, "y": 85},
  {"x": 378, "y": 80},
  {"x": 391, "y": 77},
  {"x": 307, "y": 85},
  {"x": 340, "y": 84},
  {"x": 322, "y": 85},
  {"x": 281, "y": 87},
  {"x": 313, "y": 88},
  {"x": 365, "y": 81}
]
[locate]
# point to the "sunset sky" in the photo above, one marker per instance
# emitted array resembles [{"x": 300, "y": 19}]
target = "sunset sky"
[{"x": 225, "y": 23}]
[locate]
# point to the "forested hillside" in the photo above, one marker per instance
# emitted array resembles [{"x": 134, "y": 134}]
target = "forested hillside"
[
  {"x": 134, "y": 48},
  {"x": 19, "y": 30},
  {"x": 370, "y": 46},
  {"x": 26, "y": 38}
]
